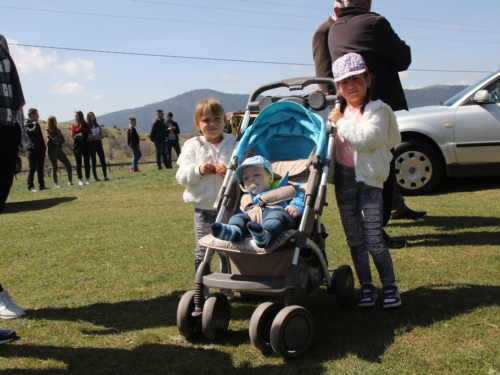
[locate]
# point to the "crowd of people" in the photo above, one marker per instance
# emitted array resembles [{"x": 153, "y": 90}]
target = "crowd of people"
[{"x": 358, "y": 49}]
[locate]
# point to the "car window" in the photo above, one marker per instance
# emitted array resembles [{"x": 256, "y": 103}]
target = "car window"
[
  {"x": 493, "y": 90},
  {"x": 458, "y": 96}
]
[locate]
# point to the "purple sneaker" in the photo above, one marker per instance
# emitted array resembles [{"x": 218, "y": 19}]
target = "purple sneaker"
[
  {"x": 368, "y": 296},
  {"x": 391, "y": 296}
]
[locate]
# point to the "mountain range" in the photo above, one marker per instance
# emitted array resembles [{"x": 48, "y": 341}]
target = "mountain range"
[{"x": 182, "y": 106}]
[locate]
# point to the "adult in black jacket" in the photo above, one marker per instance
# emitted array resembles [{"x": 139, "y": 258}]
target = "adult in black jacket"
[
  {"x": 172, "y": 138},
  {"x": 157, "y": 135},
  {"x": 321, "y": 51},
  {"x": 371, "y": 35},
  {"x": 35, "y": 150},
  {"x": 356, "y": 29}
]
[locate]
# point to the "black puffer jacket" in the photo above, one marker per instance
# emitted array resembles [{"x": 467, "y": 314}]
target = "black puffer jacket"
[
  {"x": 385, "y": 54},
  {"x": 158, "y": 130}
]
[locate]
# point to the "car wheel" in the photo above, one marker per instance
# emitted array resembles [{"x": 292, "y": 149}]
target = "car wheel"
[{"x": 418, "y": 167}]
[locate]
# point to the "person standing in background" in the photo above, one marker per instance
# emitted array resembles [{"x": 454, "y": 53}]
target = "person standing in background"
[
  {"x": 35, "y": 150},
  {"x": 157, "y": 135},
  {"x": 55, "y": 140},
  {"x": 133, "y": 142},
  {"x": 172, "y": 138},
  {"x": 96, "y": 147},
  {"x": 81, "y": 134}
]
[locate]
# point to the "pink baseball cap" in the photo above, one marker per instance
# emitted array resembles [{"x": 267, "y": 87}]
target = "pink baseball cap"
[{"x": 347, "y": 66}]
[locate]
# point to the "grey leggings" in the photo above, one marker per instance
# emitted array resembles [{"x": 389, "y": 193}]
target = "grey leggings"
[{"x": 54, "y": 154}]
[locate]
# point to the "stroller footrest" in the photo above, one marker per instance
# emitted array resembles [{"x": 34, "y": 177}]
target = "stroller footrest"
[{"x": 243, "y": 282}]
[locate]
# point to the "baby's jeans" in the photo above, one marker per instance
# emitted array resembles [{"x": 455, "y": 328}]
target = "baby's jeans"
[
  {"x": 274, "y": 220},
  {"x": 360, "y": 207},
  {"x": 202, "y": 221}
]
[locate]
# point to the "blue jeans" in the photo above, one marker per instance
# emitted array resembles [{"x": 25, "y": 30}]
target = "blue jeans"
[
  {"x": 161, "y": 151},
  {"x": 274, "y": 220},
  {"x": 202, "y": 221},
  {"x": 360, "y": 207},
  {"x": 136, "y": 155}
]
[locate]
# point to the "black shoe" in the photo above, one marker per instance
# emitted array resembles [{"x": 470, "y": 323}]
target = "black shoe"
[
  {"x": 97, "y": 180},
  {"x": 106, "y": 179},
  {"x": 410, "y": 214},
  {"x": 7, "y": 335},
  {"x": 44, "y": 188},
  {"x": 160, "y": 168},
  {"x": 394, "y": 243}
]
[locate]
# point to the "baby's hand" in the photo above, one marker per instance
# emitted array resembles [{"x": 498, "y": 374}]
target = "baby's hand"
[
  {"x": 292, "y": 211},
  {"x": 335, "y": 115},
  {"x": 207, "y": 168},
  {"x": 221, "y": 169}
]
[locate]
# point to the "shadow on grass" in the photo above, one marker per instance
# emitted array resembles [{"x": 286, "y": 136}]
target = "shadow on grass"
[
  {"x": 463, "y": 185},
  {"x": 144, "y": 359},
  {"x": 340, "y": 332},
  {"x": 118, "y": 317},
  {"x": 368, "y": 332},
  {"x": 454, "y": 224},
  {"x": 37, "y": 205}
]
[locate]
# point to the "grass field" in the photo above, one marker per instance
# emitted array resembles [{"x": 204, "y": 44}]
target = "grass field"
[{"x": 100, "y": 269}]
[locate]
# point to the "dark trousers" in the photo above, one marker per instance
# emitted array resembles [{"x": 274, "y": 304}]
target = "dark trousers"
[
  {"x": 7, "y": 172},
  {"x": 82, "y": 152},
  {"x": 161, "y": 151},
  {"x": 36, "y": 163},
  {"x": 97, "y": 150},
  {"x": 388, "y": 191},
  {"x": 175, "y": 145}
]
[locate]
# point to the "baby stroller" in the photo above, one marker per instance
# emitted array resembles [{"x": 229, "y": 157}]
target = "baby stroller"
[{"x": 299, "y": 144}]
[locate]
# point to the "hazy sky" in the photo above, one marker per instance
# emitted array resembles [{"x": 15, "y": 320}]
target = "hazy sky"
[{"x": 162, "y": 48}]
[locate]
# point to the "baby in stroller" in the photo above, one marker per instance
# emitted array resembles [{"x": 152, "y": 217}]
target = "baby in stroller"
[{"x": 266, "y": 210}]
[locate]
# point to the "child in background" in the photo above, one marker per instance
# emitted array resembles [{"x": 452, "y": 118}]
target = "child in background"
[
  {"x": 257, "y": 175},
  {"x": 366, "y": 131},
  {"x": 202, "y": 166}
]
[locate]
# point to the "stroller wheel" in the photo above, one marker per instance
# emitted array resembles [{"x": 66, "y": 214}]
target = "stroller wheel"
[
  {"x": 292, "y": 332},
  {"x": 260, "y": 325},
  {"x": 186, "y": 323},
  {"x": 344, "y": 285},
  {"x": 216, "y": 316}
]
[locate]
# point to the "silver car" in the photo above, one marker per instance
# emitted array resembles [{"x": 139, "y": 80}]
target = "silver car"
[{"x": 458, "y": 138}]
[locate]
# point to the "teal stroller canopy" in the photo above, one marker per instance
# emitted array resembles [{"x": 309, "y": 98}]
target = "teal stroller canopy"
[{"x": 284, "y": 130}]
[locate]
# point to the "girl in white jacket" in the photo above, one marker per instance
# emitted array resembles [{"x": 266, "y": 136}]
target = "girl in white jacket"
[
  {"x": 202, "y": 166},
  {"x": 366, "y": 131}
]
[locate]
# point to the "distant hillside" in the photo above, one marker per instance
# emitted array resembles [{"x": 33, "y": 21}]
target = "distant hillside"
[
  {"x": 182, "y": 106},
  {"x": 431, "y": 95}
]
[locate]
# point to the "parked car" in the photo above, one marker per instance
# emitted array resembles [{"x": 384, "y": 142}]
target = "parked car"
[{"x": 458, "y": 138}]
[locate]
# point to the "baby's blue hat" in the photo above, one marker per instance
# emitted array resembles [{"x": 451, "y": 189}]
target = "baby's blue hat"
[{"x": 254, "y": 160}]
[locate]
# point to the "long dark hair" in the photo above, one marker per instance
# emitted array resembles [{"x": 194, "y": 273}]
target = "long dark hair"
[
  {"x": 343, "y": 102},
  {"x": 80, "y": 120},
  {"x": 93, "y": 123},
  {"x": 51, "y": 124}
]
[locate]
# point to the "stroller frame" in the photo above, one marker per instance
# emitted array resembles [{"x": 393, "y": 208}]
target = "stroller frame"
[{"x": 285, "y": 328}]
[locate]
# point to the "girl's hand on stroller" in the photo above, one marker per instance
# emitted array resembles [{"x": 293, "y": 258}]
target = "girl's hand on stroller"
[
  {"x": 221, "y": 169},
  {"x": 292, "y": 211},
  {"x": 207, "y": 168},
  {"x": 335, "y": 115}
]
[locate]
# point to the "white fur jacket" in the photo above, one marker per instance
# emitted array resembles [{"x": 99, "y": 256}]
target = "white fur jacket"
[
  {"x": 201, "y": 190},
  {"x": 372, "y": 140}
]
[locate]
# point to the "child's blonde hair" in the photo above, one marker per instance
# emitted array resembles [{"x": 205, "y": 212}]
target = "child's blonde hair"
[{"x": 209, "y": 104}]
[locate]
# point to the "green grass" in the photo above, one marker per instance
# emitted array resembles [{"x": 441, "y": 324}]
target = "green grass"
[{"x": 100, "y": 269}]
